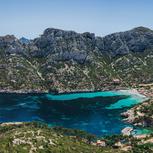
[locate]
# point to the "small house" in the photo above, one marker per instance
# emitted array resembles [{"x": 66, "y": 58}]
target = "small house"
[
  {"x": 116, "y": 81},
  {"x": 101, "y": 143}
]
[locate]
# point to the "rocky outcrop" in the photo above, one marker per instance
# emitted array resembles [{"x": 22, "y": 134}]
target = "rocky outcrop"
[
  {"x": 127, "y": 131},
  {"x": 24, "y": 41}
]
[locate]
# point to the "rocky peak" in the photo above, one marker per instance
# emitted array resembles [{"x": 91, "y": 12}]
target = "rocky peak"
[
  {"x": 11, "y": 44},
  {"x": 135, "y": 40},
  {"x": 24, "y": 41},
  {"x": 8, "y": 39},
  {"x": 65, "y": 45},
  {"x": 142, "y": 29}
]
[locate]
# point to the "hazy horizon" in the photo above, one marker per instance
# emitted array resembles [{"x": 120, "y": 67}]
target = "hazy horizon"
[{"x": 30, "y": 18}]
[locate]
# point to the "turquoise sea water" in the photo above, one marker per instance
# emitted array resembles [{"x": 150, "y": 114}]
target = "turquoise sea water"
[
  {"x": 140, "y": 131},
  {"x": 94, "y": 112}
]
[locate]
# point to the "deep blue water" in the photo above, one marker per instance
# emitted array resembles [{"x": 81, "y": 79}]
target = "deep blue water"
[{"x": 97, "y": 113}]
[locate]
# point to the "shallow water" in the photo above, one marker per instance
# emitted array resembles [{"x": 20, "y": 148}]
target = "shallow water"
[{"x": 97, "y": 113}]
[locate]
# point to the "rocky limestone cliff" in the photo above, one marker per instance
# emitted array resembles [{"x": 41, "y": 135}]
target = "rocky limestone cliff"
[{"x": 69, "y": 61}]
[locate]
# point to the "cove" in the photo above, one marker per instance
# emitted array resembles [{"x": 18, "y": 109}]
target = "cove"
[{"x": 94, "y": 112}]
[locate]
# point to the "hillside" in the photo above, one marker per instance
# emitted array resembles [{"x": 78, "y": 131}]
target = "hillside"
[
  {"x": 38, "y": 138},
  {"x": 65, "y": 61}
]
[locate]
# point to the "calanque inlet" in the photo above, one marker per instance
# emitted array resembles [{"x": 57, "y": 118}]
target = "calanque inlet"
[{"x": 75, "y": 88}]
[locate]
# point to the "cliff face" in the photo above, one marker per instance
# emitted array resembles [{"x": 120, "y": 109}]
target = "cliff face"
[
  {"x": 136, "y": 40},
  {"x": 68, "y": 43},
  {"x": 66, "y": 60},
  {"x": 64, "y": 42},
  {"x": 65, "y": 45}
]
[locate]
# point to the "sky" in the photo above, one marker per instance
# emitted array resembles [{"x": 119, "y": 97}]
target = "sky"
[{"x": 29, "y": 18}]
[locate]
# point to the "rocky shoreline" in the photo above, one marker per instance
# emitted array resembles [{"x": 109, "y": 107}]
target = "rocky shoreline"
[
  {"x": 59, "y": 91},
  {"x": 22, "y": 91},
  {"x": 135, "y": 115}
]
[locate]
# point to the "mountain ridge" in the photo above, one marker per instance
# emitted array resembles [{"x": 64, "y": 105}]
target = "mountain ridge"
[{"x": 67, "y": 61}]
